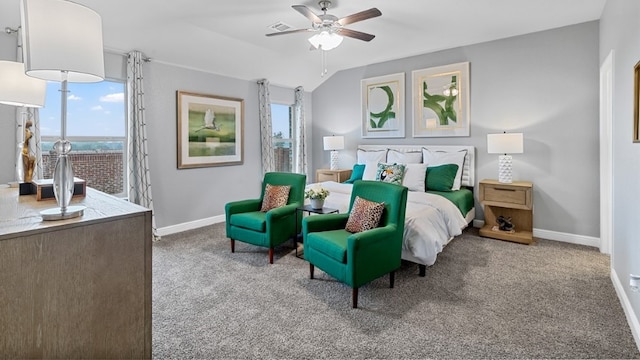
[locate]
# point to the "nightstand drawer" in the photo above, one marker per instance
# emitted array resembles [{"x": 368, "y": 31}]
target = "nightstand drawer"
[
  {"x": 505, "y": 195},
  {"x": 332, "y": 175},
  {"x": 516, "y": 195}
]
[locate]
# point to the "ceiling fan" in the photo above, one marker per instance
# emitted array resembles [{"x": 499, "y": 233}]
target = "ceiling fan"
[{"x": 327, "y": 26}]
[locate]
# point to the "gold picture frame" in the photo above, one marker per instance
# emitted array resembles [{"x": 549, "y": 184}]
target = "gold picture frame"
[
  {"x": 382, "y": 106},
  {"x": 636, "y": 103},
  {"x": 441, "y": 101},
  {"x": 210, "y": 130}
]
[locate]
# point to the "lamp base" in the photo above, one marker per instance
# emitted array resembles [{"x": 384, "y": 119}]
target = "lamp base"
[
  {"x": 505, "y": 164},
  {"x": 334, "y": 159},
  {"x": 57, "y": 213}
]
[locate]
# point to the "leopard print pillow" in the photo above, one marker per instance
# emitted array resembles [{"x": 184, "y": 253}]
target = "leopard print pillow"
[
  {"x": 275, "y": 197},
  {"x": 364, "y": 215}
]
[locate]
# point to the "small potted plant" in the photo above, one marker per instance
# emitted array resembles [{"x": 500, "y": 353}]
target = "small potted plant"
[{"x": 316, "y": 195}]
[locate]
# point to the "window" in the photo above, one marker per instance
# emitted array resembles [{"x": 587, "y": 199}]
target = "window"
[
  {"x": 96, "y": 128},
  {"x": 283, "y": 137}
]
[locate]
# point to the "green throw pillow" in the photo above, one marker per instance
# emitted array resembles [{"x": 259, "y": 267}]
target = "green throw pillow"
[
  {"x": 441, "y": 177},
  {"x": 356, "y": 173},
  {"x": 391, "y": 173}
]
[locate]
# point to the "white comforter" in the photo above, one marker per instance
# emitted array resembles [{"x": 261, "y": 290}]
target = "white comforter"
[{"x": 431, "y": 221}]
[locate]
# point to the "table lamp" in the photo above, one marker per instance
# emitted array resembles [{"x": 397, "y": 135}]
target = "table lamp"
[
  {"x": 505, "y": 144},
  {"x": 62, "y": 41},
  {"x": 333, "y": 143}
]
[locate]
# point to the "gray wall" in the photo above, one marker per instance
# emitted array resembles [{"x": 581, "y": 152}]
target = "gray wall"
[
  {"x": 620, "y": 32},
  {"x": 542, "y": 84},
  {"x": 187, "y": 195}
]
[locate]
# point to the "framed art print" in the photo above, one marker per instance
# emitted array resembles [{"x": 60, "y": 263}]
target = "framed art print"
[
  {"x": 383, "y": 106},
  {"x": 210, "y": 130},
  {"x": 441, "y": 101}
]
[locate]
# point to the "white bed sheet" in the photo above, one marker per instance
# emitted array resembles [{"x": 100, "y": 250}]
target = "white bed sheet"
[{"x": 431, "y": 221}]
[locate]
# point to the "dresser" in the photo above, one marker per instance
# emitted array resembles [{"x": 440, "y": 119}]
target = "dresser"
[{"x": 75, "y": 288}]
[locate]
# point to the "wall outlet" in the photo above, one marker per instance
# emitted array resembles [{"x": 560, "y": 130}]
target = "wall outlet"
[{"x": 634, "y": 282}]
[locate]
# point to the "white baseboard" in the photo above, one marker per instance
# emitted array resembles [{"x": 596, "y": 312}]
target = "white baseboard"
[
  {"x": 557, "y": 236},
  {"x": 168, "y": 230},
  {"x": 632, "y": 318}
]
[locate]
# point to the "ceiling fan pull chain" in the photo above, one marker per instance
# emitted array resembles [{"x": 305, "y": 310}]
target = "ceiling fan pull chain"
[{"x": 324, "y": 62}]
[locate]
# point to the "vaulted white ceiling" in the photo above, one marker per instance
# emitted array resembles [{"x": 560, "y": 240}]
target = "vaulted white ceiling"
[{"x": 228, "y": 37}]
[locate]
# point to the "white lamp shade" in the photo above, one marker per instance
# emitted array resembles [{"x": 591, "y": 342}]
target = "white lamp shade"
[
  {"x": 325, "y": 39},
  {"x": 505, "y": 143},
  {"x": 333, "y": 142},
  {"x": 62, "y": 36},
  {"x": 18, "y": 89}
]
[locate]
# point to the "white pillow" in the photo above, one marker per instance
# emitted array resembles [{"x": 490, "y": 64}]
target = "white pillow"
[
  {"x": 370, "y": 170},
  {"x": 399, "y": 157},
  {"x": 414, "y": 176},
  {"x": 435, "y": 158},
  {"x": 374, "y": 155}
]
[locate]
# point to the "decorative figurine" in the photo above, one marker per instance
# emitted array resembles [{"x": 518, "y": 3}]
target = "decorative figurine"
[{"x": 28, "y": 160}]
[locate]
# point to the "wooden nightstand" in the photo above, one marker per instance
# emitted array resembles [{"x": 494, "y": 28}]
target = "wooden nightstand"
[
  {"x": 333, "y": 175},
  {"x": 513, "y": 200}
]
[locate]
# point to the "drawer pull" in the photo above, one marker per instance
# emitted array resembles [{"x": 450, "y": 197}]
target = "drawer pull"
[{"x": 502, "y": 189}]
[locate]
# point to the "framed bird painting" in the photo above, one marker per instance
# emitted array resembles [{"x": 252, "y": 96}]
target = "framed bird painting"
[{"x": 210, "y": 130}]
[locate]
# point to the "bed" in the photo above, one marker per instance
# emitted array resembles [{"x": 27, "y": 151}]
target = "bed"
[{"x": 433, "y": 218}]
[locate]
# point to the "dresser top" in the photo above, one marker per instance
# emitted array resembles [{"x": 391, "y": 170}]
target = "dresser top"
[{"x": 20, "y": 215}]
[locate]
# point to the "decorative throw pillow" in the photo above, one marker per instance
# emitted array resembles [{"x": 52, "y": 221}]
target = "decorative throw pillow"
[
  {"x": 391, "y": 173},
  {"x": 404, "y": 157},
  {"x": 356, "y": 173},
  {"x": 434, "y": 158},
  {"x": 370, "y": 170},
  {"x": 363, "y": 156},
  {"x": 275, "y": 196},
  {"x": 365, "y": 215},
  {"x": 414, "y": 176},
  {"x": 441, "y": 177}
]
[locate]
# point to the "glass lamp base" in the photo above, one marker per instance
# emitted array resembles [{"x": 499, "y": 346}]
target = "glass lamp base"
[{"x": 57, "y": 213}]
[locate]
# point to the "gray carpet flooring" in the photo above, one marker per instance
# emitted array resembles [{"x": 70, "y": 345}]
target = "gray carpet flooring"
[{"x": 482, "y": 299}]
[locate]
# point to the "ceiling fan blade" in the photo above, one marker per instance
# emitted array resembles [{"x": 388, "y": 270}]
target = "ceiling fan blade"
[
  {"x": 363, "y": 15},
  {"x": 306, "y": 12},
  {"x": 289, "y": 32},
  {"x": 356, "y": 34}
]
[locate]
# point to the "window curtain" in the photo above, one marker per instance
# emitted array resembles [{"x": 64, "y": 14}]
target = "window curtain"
[
  {"x": 139, "y": 178},
  {"x": 266, "y": 133},
  {"x": 301, "y": 143}
]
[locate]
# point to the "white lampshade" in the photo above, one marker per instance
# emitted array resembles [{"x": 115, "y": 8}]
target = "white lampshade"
[
  {"x": 18, "y": 89},
  {"x": 61, "y": 36},
  {"x": 333, "y": 142},
  {"x": 326, "y": 39},
  {"x": 505, "y": 143}
]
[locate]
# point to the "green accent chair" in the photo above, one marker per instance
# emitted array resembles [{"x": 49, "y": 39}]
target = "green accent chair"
[
  {"x": 245, "y": 222},
  {"x": 358, "y": 258}
]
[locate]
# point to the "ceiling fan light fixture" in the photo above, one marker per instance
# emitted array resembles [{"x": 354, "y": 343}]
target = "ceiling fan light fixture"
[{"x": 326, "y": 40}]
